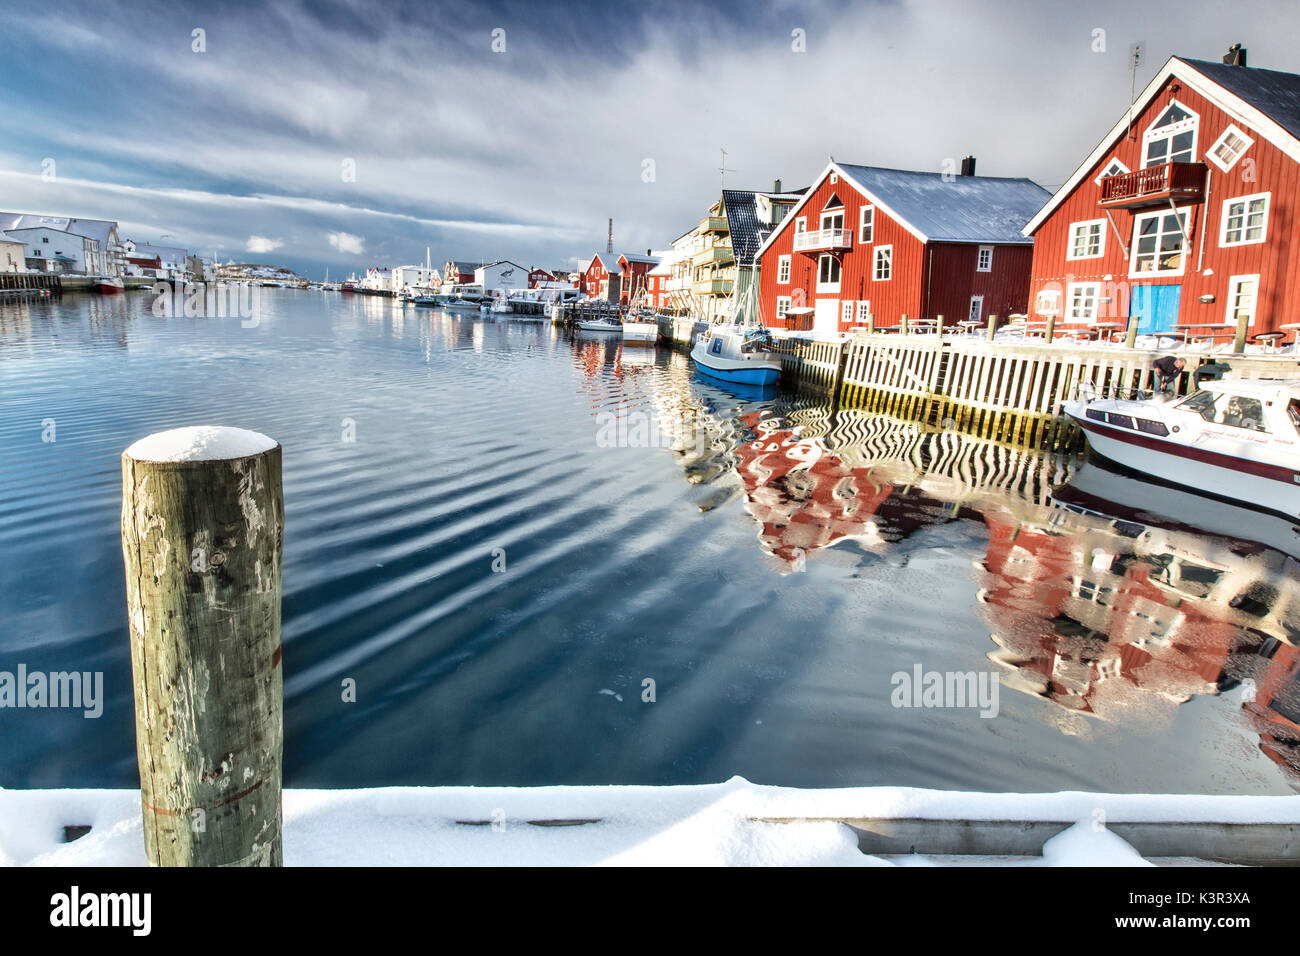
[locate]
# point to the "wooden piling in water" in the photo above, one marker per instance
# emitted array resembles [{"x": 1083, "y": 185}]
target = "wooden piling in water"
[{"x": 202, "y": 532}]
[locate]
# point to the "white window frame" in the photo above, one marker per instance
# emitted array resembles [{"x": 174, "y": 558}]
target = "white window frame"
[
  {"x": 1111, "y": 170},
  {"x": 846, "y": 312},
  {"x": 1154, "y": 132},
  {"x": 1231, "y": 315},
  {"x": 783, "y": 269},
  {"x": 835, "y": 178},
  {"x": 1232, "y": 130},
  {"x": 1090, "y": 290},
  {"x": 801, "y": 224},
  {"x": 832, "y": 215},
  {"x": 1246, "y": 200},
  {"x": 783, "y": 304},
  {"x": 979, "y": 257},
  {"x": 1048, "y": 302},
  {"x": 866, "y": 224},
  {"x": 975, "y": 311},
  {"x": 885, "y": 254},
  {"x": 829, "y": 286},
  {"x": 1086, "y": 224},
  {"x": 1133, "y": 248},
  {"x": 864, "y": 311}
]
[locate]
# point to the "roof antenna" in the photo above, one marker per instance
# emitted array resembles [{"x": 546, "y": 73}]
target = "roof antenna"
[
  {"x": 1135, "y": 57},
  {"x": 723, "y": 170}
]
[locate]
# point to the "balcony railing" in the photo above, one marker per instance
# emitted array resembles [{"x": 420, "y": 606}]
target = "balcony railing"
[
  {"x": 823, "y": 239},
  {"x": 714, "y": 224},
  {"x": 1154, "y": 184},
  {"x": 711, "y": 287}
]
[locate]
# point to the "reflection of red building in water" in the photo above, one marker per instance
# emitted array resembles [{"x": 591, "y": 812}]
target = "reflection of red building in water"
[{"x": 1095, "y": 621}]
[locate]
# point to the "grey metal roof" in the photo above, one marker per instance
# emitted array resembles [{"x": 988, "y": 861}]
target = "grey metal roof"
[
  {"x": 957, "y": 209},
  {"x": 1275, "y": 94},
  {"x": 463, "y": 266}
]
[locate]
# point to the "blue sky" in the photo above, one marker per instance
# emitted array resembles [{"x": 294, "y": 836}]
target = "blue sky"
[{"x": 524, "y": 153}]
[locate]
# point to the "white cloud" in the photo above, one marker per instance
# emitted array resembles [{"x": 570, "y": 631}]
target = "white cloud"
[
  {"x": 346, "y": 242},
  {"x": 262, "y": 244}
]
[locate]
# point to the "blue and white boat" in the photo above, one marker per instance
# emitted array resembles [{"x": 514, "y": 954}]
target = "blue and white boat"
[{"x": 736, "y": 353}]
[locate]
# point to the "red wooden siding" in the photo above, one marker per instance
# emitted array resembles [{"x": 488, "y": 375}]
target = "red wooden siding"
[
  {"x": 927, "y": 280},
  {"x": 1263, "y": 168}
]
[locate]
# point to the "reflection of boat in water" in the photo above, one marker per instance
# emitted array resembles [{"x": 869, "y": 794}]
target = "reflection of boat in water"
[
  {"x": 735, "y": 353},
  {"x": 1101, "y": 490},
  {"x": 1236, "y": 439},
  {"x": 750, "y": 393}
]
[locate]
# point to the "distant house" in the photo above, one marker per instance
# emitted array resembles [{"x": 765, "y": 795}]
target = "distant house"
[
  {"x": 864, "y": 240},
  {"x": 1185, "y": 212},
  {"x": 458, "y": 272},
  {"x": 408, "y": 278},
  {"x": 602, "y": 277},
  {"x": 156, "y": 262},
  {"x": 378, "y": 279},
  {"x": 537, "y": 275},
  {"x": 658, "y": 280},
  {"x": 632, "y": 276},
  {"x": 502, "y": 275}
]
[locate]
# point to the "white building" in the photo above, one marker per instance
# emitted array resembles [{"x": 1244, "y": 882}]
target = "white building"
[
  {"x": 410, "y": 278},
  {"x": 378, "y": 280},
  {"x": 13, "y": 256},
  {"x": 171, "y": 260},
  {"x": 503, "y": 274},
  {"x": 84, "y": 246}
]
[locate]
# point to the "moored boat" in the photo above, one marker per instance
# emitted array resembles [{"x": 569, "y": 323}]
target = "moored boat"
[
  {"x": 107, "y": 285},
  {"x": 640, "y": 333},
  {"x": 1235, "y": 439},
  {"x": 736, "y": 353},
  {"x": 599, "y": 325}
]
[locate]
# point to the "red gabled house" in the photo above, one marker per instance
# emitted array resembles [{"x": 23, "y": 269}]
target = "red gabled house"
[
  {"x": 887, "y": 242},
  {"x": 634, "y": 270},
  {"x": 1184, "y": 213},
  {"x": 602, "y": 277},
  {"x": 536, "y": 275}
]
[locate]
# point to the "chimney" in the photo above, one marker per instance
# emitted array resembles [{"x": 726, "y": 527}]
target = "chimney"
[
  {"x": 649, "y": 251},
  {"x": 776, "y": 186},
  {"x": 968, "y": 166},
  {"x": 1236, "y": 55}
]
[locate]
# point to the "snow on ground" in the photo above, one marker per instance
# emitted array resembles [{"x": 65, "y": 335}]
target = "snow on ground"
[{"x": 692, "y": 825}]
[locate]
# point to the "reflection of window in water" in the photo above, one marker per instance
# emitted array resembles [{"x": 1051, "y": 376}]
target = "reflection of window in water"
[{"x": 1257, "y": 600}]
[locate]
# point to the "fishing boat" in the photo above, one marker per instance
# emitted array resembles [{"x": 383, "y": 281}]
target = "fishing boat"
[
  {"x": 737, "y": 353},
  {"x": 640, "y": 333},
  {"x": 107, "y": 285},
  {"x": 1235, "y": 440}
]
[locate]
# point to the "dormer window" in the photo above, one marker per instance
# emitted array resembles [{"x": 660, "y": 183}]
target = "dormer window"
[
  {"x": 1116, "y": 168},
  {"x": 1171, "y": 138}
]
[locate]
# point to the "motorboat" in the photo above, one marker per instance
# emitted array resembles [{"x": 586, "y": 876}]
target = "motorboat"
[
  {"x": 107, "y": 285},
  {"x": 737, "y": 353},
  {"x": 1234, "y": 439},
  {"x": 600, "y": 325}
]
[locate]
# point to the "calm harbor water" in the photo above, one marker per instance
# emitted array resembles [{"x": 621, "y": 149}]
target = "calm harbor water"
[{"x": 499, "y": 531}]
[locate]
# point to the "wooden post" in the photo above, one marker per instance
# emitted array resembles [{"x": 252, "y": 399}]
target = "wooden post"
[
  {"x": 1239, "y": 340},
  {"x": 938, "y": 326},
  {"x": 902, "y": 325},
  {"x": 1131, "y": 334},
  {"x": 1050, "y": 331},
  {"x": 871, "y": 323},
  {"x": 993, "y": 327},
  {"x": 202, "y": 527}
]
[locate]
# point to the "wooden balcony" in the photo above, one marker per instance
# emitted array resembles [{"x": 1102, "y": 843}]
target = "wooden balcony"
[
  {"x": 823, "y": 239},
  {"x": 714, "y": 224},
  {"x": 1181, "y": 182},
  {"x": 711, "y": 287},
  {"x": 718, "y": 254}
]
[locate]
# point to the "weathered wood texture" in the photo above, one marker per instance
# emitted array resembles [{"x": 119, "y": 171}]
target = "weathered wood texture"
[{"x": 202, "y": 547}]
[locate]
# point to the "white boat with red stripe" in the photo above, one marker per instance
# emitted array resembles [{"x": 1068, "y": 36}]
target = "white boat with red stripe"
[{"x": 1235, "y": 439}]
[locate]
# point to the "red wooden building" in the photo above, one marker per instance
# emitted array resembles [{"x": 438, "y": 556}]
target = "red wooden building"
[
  {"x": 634, "y": 271},
  {"x": 615, "y": 278},
  {"x": 1184, "y": 213},
  {"x": 888, "y": 242}
]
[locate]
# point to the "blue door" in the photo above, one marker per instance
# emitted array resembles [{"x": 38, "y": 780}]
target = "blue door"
[{"x": 1156, "y": 307}]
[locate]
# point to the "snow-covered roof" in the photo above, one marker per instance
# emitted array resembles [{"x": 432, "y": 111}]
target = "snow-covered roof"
[{"x": 98, "y": 229}]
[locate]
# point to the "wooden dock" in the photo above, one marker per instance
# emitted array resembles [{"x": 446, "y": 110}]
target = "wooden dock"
[
  {"x": 22, "y": 286},
  {"x": 1007, "y": 391}
]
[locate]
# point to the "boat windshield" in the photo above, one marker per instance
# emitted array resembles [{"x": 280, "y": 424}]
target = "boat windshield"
[
  {"x": 1293, "y": 413},
  {"x": 1237, "y": 411},
  {"x": 1202, "y": 403}
]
